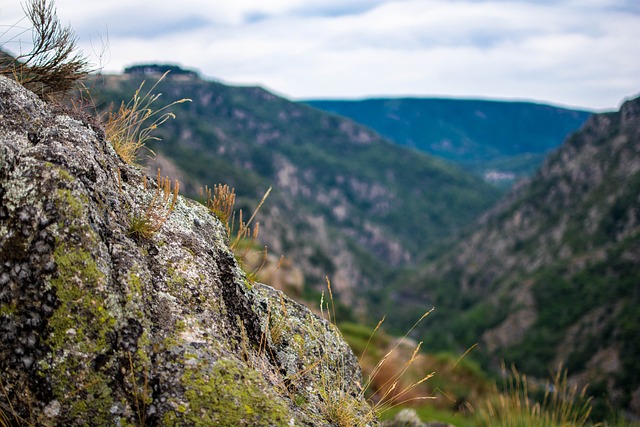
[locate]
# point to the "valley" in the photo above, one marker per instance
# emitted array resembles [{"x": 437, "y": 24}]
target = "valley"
[
  {"x": 500, "y": 141},
  {"x": 545, "y": 275}
]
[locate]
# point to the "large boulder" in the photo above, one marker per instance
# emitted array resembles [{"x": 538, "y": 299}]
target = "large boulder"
[{"x": 100, "y": 325}]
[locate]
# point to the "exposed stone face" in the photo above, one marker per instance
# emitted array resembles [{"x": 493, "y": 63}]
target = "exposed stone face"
[{"x": 100, "y": 327}]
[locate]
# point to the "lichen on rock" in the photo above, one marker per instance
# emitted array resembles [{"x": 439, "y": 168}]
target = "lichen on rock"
[{"x": 98, "y": 327}]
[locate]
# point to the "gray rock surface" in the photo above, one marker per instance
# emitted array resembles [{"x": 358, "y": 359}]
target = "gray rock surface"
[
  {"x": 98, "y": 327},
  {"x": 410, "y": 418}
]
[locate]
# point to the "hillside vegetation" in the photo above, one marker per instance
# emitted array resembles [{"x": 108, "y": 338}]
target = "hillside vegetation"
[
  {"x": 499, "y": 140},
  {"x": 346, "y": 202},
  {"x": 551, "y": 275}
]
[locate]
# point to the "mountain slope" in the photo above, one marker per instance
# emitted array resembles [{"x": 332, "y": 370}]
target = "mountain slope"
[
  {"x": 484, "y": 136},
  {"x": 346, "y": 203},
  {"x": 552, "y": 274}
]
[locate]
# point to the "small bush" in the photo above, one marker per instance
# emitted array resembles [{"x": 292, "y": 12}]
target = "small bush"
[{"x": 53, "y": 65}]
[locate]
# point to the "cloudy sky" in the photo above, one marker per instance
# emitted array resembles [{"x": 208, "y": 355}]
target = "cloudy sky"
[{"x": 583, "y": 53}]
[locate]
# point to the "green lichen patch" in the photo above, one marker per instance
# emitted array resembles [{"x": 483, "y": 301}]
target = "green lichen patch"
[
  {"x": 67, "y": 200},
  {"x": 229, "y": 394},
  {"x": 81, "y": 330}
]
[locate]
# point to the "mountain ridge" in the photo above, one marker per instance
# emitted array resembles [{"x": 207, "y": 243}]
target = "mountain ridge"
[
  {"x": 361, "y": 204},
  {"x": 481, "y": 135}
]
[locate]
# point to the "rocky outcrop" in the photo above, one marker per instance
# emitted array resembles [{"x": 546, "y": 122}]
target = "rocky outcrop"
[{"x": 102, "y": 326}]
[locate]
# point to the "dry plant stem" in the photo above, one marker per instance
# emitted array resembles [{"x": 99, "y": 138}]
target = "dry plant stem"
[
  {"x": 379, "y": 365},
  {"x": 338, "y": 403},
  {"x": 52, "y": 66},
  {"x": 130, "y": 128},
  {"x": 366, "y": 347},
  {"x": 157, "y": 212},
  {"x": 244, "y": 229},
  {"x": 463, "y": 356}
]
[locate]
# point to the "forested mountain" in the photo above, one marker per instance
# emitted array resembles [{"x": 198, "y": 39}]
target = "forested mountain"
[
  {"x": 548, "y": 275},
  {"x": 552, "y": 274},
  {"x": 500, "y": 140},
  {"x": 346, "y": 203}
]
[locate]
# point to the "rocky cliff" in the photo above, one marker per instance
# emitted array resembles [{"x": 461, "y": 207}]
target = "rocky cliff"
[
  {"x": 100, "y": 325},
  {"x": 551, "y": 274}
]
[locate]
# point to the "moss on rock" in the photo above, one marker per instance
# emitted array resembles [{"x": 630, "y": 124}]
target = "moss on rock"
[
  {"x": 228, "y": 394},
  {"x": 100, "y": 329}
]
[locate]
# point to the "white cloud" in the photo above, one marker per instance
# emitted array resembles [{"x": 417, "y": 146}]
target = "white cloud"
[{"x": 575, "y": 52}]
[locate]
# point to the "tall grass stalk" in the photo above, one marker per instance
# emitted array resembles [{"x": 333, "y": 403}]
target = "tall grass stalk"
[
  {"x": 562, "y": 405},
  {"x": 221, "y": 200},
  {"x": 131, "y": 126},
  {"x": 340, "y": 405}
]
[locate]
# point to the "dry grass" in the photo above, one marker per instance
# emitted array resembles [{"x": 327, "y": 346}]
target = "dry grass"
[
  {"x": 341, "y": 407},
  {"x": 242, "y": 237},
  {"x": 562, "y": 405},
  {"x": 53, "y": 65},
  {"x": 220, "y": 200},
  {"x": 13, "y": 414},
  {"x": 146, "y": 223},
  {"x": 130, "y": 128}
]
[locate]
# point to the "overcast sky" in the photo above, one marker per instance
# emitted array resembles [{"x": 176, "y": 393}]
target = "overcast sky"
[{"x": 583, "y": 53}]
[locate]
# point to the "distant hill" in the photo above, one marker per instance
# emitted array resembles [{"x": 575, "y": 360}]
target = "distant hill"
[
  {"x": 500, "y": 140},
  {"x": 552, "y": 274},
  {"x": 347, "y": 203}
]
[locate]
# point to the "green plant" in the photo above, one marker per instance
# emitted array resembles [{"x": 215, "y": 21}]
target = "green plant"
[
  {"x": 144, "y": 224},
  {"x": 52, "y": 66},
  {"x": 131, "y": 126},
  {"x": 561, "y": 405}
]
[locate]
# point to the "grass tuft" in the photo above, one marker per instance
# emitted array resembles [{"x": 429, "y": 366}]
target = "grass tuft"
[
  {"x": 131, "y": 126},
  {"x": 562, "y": 404},
  {"x": 144, "y": 225},
  {"x": 242, "y": 238},
  {"x": 341, "y": 406}
]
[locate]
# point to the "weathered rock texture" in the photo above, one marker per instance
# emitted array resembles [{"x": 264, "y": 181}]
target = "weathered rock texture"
[{"x": 100, "y": 328}]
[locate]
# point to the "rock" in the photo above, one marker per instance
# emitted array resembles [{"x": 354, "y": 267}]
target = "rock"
[
  {"x": 410, "y": 418},
  {"x": 405, "y": 418},
  {"x": 99, "y": 326}
]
